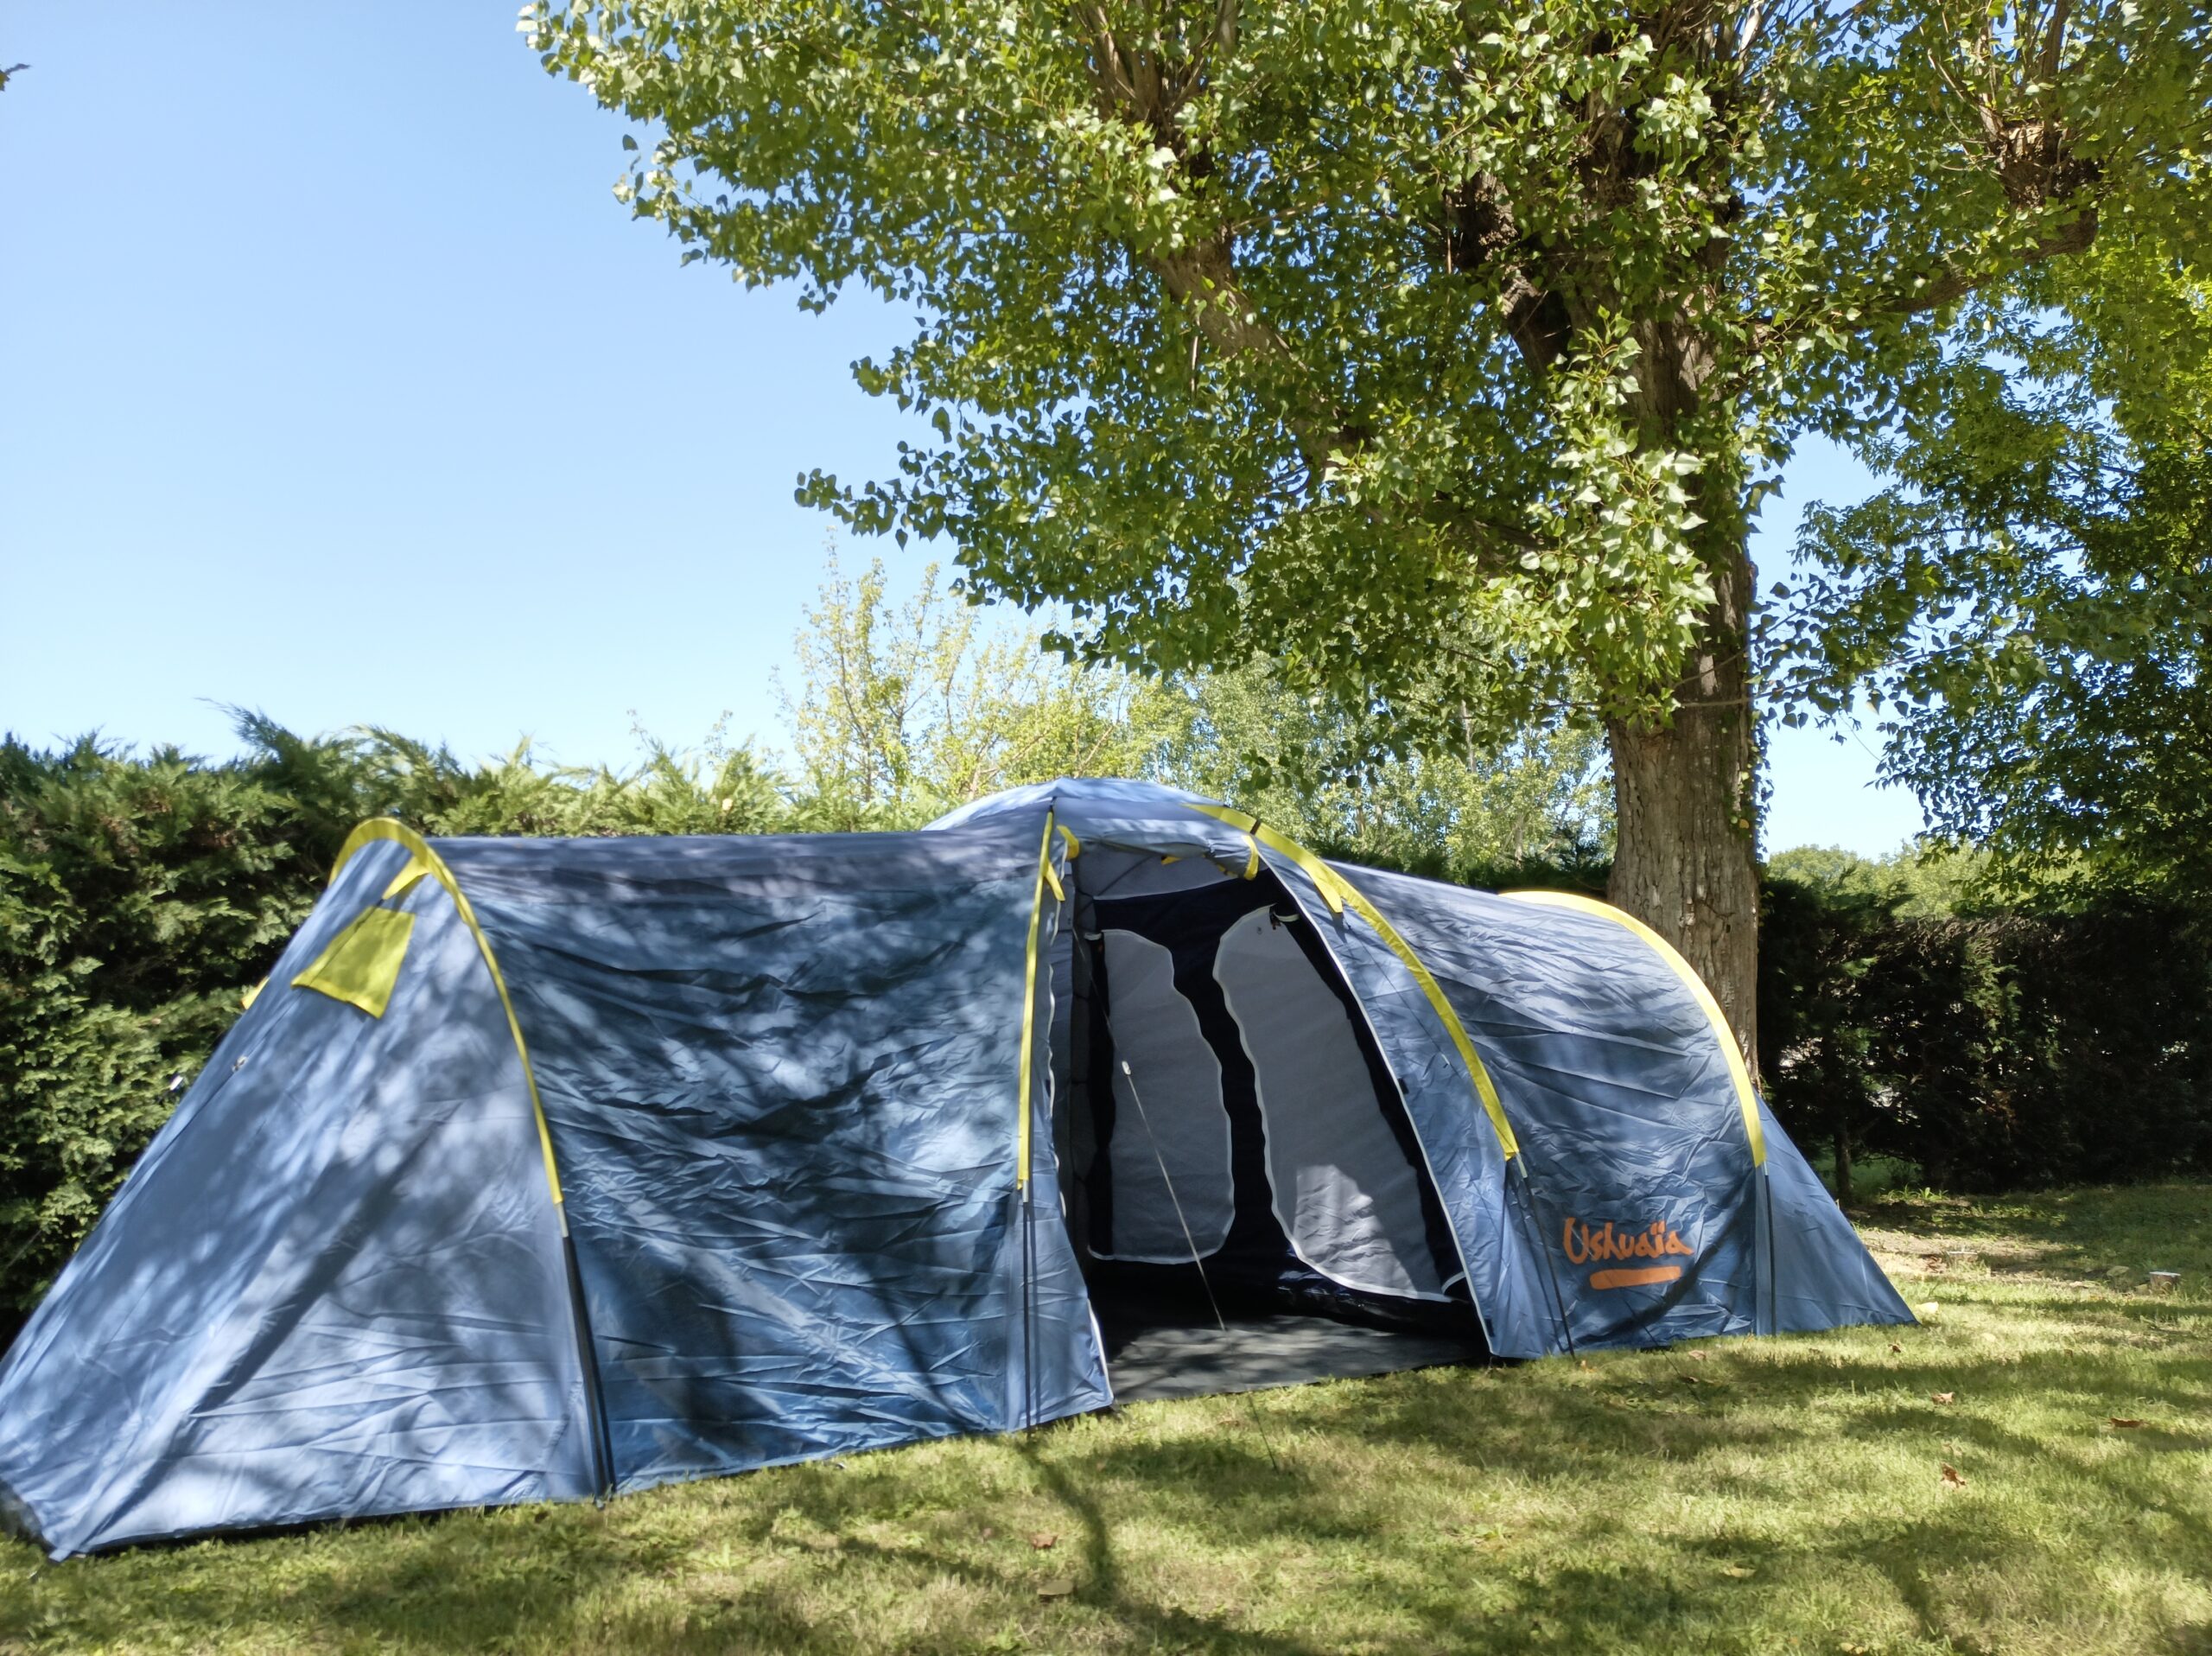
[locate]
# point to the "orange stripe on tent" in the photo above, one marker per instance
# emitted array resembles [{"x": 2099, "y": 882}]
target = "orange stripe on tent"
[{"x": 1641, "y": 1278}]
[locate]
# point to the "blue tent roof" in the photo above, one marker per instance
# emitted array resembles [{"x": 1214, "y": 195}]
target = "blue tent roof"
[{"x": 544, "y": 1168}]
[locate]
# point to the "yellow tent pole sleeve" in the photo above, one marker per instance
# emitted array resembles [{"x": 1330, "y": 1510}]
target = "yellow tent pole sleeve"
[
  {"x": 1045, "y": 873},
  {"x": 1340, "y": 894},
  {"x": 1747, "y": 1099},
  {"x": 377, "y": 828},
  {"x": 404, "y": 881}
]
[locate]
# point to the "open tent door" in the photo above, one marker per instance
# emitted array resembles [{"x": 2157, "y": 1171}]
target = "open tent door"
[{"x": 1241, "y": 1152}]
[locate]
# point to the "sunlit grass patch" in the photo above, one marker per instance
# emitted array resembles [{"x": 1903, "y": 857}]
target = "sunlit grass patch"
[{"x": 1733, "y": 1495}]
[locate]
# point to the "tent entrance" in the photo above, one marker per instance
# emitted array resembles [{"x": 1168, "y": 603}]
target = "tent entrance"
[{"x": 1229, "y": 1125}]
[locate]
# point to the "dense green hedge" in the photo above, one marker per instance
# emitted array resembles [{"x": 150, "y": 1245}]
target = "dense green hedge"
[
  {"x": 140, "y": 896},
  {"x": 2068, "y": 1041}
]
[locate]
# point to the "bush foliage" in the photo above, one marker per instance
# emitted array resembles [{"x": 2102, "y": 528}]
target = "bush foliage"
[
  {"x": 2067, "y": 1037},
  {"x": 1902, "y": 1014}
]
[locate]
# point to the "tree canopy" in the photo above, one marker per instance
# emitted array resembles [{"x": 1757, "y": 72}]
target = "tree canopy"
[
  {"x": 2031, "y": 598},
  {"x": 1328, "y": 331},
  {"x": 1439, "y": 351}
]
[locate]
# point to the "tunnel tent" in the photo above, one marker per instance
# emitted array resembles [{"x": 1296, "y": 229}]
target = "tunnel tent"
[{"x": 544, "y": 1169}]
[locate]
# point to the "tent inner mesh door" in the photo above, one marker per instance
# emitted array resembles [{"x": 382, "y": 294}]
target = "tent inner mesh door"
[{"x": 1256, "y": 1102}]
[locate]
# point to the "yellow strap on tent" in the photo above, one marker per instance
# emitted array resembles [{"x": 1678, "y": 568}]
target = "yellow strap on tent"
[
  {"x": 361, "y": 966},
  {"x": 404, "y": 881},
  {"x": 1339, "y": 893},
  {"x": 1045, "y": 875},
  {"x": 389, "y": 828},
  {"x": 1746, "y": 1099},
  {"x": 1075, "y": 845}
]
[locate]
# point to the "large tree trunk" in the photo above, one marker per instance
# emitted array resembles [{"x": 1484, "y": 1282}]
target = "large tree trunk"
[
  {"x": 1685, "y": 797},
  {"x": 1685, "y": 788}
]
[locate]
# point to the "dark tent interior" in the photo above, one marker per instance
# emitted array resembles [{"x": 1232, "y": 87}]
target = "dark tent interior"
[{"x": 1235, "y": 1151}]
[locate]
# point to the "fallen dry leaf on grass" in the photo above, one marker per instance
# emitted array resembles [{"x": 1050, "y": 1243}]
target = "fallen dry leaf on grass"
[
  {"x": 1895, "y": 1348},
  {"x": 1951, "y": 1478},
  {"x": 2125, "y": 1425},
  {"x": 1044, "y": 1543},
  {"x": 1738, "y": 1571},
  {"x": 1941, "y": 1396},
  {"x": 1058, "y": 1587},
  {"x": 1695, "y": 1356}
]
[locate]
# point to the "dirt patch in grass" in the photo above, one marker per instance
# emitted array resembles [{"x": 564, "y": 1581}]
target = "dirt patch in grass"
[{"x": 1740, "y": 1495}]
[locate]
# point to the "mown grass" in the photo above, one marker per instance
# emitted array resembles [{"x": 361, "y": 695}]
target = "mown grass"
[{"x": 1748, "y": 1495}]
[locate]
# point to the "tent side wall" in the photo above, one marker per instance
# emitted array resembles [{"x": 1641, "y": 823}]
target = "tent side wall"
[
  {"x": 333, "y": 1285},
  {"x": 782, "y": 1078},
  {"x": 1644, "y": 1177},
  {"x": 1656, "y": 1198},
  {"x": 1823, "y": 1275}
]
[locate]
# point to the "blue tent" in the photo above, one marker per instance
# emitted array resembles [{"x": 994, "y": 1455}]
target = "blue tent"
[{"x": 544, "y": 1168}]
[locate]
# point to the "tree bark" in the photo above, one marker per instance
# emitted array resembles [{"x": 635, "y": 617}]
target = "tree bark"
[{"x": 1684, "y": 861}]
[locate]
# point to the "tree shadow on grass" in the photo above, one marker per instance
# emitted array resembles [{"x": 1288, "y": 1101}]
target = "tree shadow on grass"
[{"x": 1274, "y": 1524}]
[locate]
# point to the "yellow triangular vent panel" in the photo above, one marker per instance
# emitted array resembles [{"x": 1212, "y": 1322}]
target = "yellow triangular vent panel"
[{"x": 362, "y": 963}]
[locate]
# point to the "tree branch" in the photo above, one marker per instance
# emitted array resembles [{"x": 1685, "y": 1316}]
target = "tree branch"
[{"x": 1952, "y": 283}]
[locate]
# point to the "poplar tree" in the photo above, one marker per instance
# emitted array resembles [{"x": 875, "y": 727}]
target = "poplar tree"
[{"x": 1440, "y": 350}]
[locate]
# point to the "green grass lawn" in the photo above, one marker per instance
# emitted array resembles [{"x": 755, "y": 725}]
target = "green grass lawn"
[{"x": 1743, "y": 1495}]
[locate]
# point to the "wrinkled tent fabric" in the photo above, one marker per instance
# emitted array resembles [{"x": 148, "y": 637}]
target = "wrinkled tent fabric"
[
  {"x": 782, "y": 1078},
  {"x": 543, "y": 1169},
  {"x": 1641, "y": 1207}
]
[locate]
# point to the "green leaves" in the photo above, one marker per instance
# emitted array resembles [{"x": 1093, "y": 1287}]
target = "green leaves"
[
  {"x": 1438, "y": 352},
  {"x": 2031, "y": 601}
]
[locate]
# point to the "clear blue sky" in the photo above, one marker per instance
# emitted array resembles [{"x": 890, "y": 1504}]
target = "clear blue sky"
[{"x": 337, "y": 385}]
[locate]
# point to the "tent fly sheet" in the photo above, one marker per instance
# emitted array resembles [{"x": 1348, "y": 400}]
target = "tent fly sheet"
[{"x": 544, "y": 1169}]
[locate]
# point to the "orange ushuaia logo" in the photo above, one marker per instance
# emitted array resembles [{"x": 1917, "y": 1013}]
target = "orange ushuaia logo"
[{"x": 1658, "y": 1241}]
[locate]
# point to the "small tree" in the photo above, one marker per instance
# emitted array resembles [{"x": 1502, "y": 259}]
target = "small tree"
[{"x": 907, "y": 711}]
